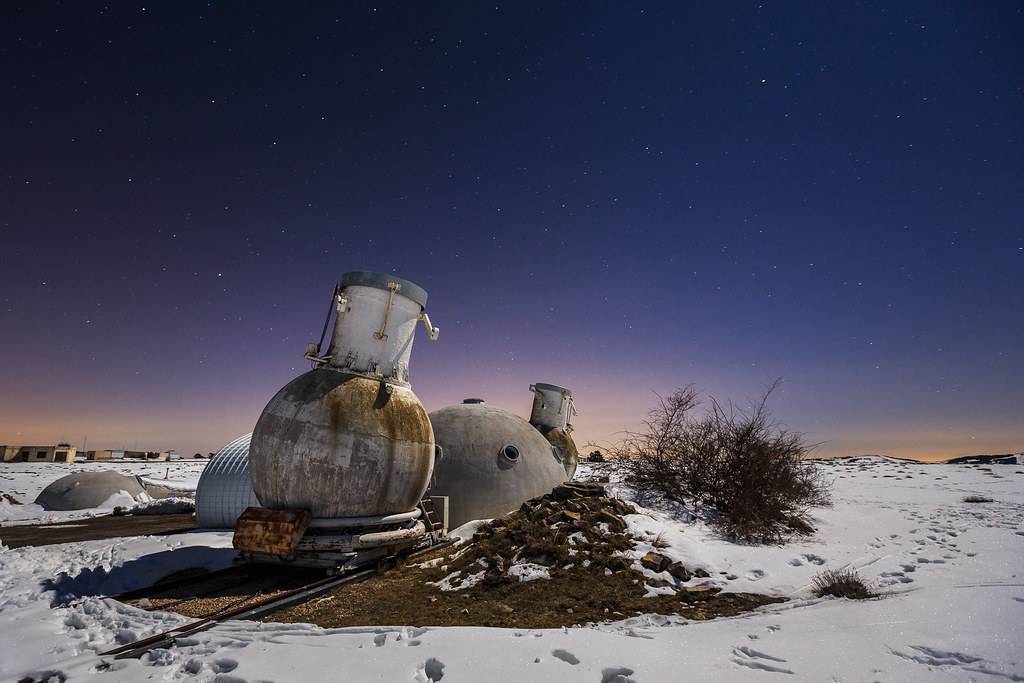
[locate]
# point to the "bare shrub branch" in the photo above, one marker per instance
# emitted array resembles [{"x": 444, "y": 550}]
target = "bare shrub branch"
[{"x": 742, "y": 464}]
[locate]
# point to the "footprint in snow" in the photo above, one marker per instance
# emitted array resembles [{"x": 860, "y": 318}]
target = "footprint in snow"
[
  {"x": 222, "y": 666},
  {"x": 930, "y": 656},
  {"x": 894, "y": 577},
  {"x": 812, "y": 558},
  {"x": 193, "y": 666},
  {"x": 754, "y": 659},
  {"x": 617, "y": 674}
]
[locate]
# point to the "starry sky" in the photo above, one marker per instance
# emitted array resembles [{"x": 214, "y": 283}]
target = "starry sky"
[{"x": 621, "y": 198}]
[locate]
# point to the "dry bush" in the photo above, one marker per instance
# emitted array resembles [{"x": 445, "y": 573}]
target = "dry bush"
[
  {"x": 661, "y": 542},
  {"x": 746, "y": 468},
  {"x": 842, "y": 583},
  {"x": 977, "y": 499}
]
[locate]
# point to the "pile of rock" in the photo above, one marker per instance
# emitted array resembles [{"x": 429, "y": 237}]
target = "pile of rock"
[{"x": 577, "y": 528}]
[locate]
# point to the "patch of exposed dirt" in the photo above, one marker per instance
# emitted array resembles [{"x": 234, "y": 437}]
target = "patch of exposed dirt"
[
  {"x": 575, "y": 536},
  {"x": 223, "y": 592}
]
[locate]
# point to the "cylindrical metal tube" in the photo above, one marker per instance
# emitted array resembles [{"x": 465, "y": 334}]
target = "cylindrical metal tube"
[
  {"x": 375, "y": 325},
  {"x": 349, "y": 522},
  {"x": 388, "y": 537},
  {"x": 550, "y": 406}
]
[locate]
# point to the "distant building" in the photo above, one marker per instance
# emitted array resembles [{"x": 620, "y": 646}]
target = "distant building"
[
  {"x": 62, "y": 452},
  {"x": 147, "y": 455}
]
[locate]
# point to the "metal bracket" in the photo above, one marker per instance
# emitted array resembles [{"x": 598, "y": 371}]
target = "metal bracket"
[
  {"x": 380, "y": 335},
  {"x": 432, "y": 332}
]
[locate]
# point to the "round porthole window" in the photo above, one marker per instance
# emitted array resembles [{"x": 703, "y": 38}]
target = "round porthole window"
[{"x": 510, "y": 452}]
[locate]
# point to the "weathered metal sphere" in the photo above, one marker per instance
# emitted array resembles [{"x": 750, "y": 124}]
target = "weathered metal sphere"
[
  {"x": 342, "y": 445},
  {"x": 492, "y": 461}
]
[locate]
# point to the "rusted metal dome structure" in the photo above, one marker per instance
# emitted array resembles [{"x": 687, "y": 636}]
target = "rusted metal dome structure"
[
  {"x": 350, "y": 438},
  {"x": 342, "y": 455}
]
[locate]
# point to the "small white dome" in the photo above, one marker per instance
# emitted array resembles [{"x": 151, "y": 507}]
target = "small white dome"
[{"x": 224, "y": 489}]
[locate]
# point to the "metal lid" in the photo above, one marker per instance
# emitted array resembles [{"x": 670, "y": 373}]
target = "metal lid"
[
  {"x": 365, "y": 278},
  {"x": 551, "y": 387}
]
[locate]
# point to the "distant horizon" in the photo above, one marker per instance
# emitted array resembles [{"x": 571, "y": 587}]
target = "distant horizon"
[{"x": 584, "y": 448}]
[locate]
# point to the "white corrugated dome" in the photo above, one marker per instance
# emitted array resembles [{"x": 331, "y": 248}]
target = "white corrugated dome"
[{"x": 224, "y": 489}]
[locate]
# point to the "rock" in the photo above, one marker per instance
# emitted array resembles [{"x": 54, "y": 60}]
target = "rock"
[
  {"x": 507, "y": 609},
  {"x": 577, "y": 489},
  {"x": 701, "y": 574},
  {"x": 697, "y": 593},
  {"x": 555, "y": 518},
  {"x": 614, "y": 522},
  {"x": 622, "y": 507},
  {"x": 678, "y": 571},
  {"x": 656, "y": 562},
  {"x": 616, "y": 564}
]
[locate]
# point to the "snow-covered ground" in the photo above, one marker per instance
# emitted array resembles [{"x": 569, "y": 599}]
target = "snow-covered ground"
[
  {"x": 954, "y": 573},
  {"x": 24, "y": 481}
]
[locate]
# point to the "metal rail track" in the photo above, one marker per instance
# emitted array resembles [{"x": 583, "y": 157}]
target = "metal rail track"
[{"x": 247, "y": 611}]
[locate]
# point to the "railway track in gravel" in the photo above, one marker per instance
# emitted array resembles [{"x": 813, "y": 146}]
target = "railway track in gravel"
[{"x": 267, "y": 591}]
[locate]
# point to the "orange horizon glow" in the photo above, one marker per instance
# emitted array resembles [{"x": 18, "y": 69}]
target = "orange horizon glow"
[{"x": 205, "y": 428}]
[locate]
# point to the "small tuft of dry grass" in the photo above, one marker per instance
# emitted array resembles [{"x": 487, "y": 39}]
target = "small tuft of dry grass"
[
  {"x": 660, "y": 541},
  {"x": 977, "y": 499},
  {"x": 842, "y": 583}
]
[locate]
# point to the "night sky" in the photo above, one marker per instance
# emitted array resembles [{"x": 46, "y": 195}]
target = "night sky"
[{"x": 621, "y": 199}]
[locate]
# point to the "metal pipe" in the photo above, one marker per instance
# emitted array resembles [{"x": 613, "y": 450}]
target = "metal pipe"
[
  {"x": 380, "y": 538},
  {"x": 342, "y": 522}
]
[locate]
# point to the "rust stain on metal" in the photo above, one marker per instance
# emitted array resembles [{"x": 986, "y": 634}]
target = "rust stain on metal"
[
  {"x": 276, "y": 532},
  {"x": 342, "y": 445}
]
